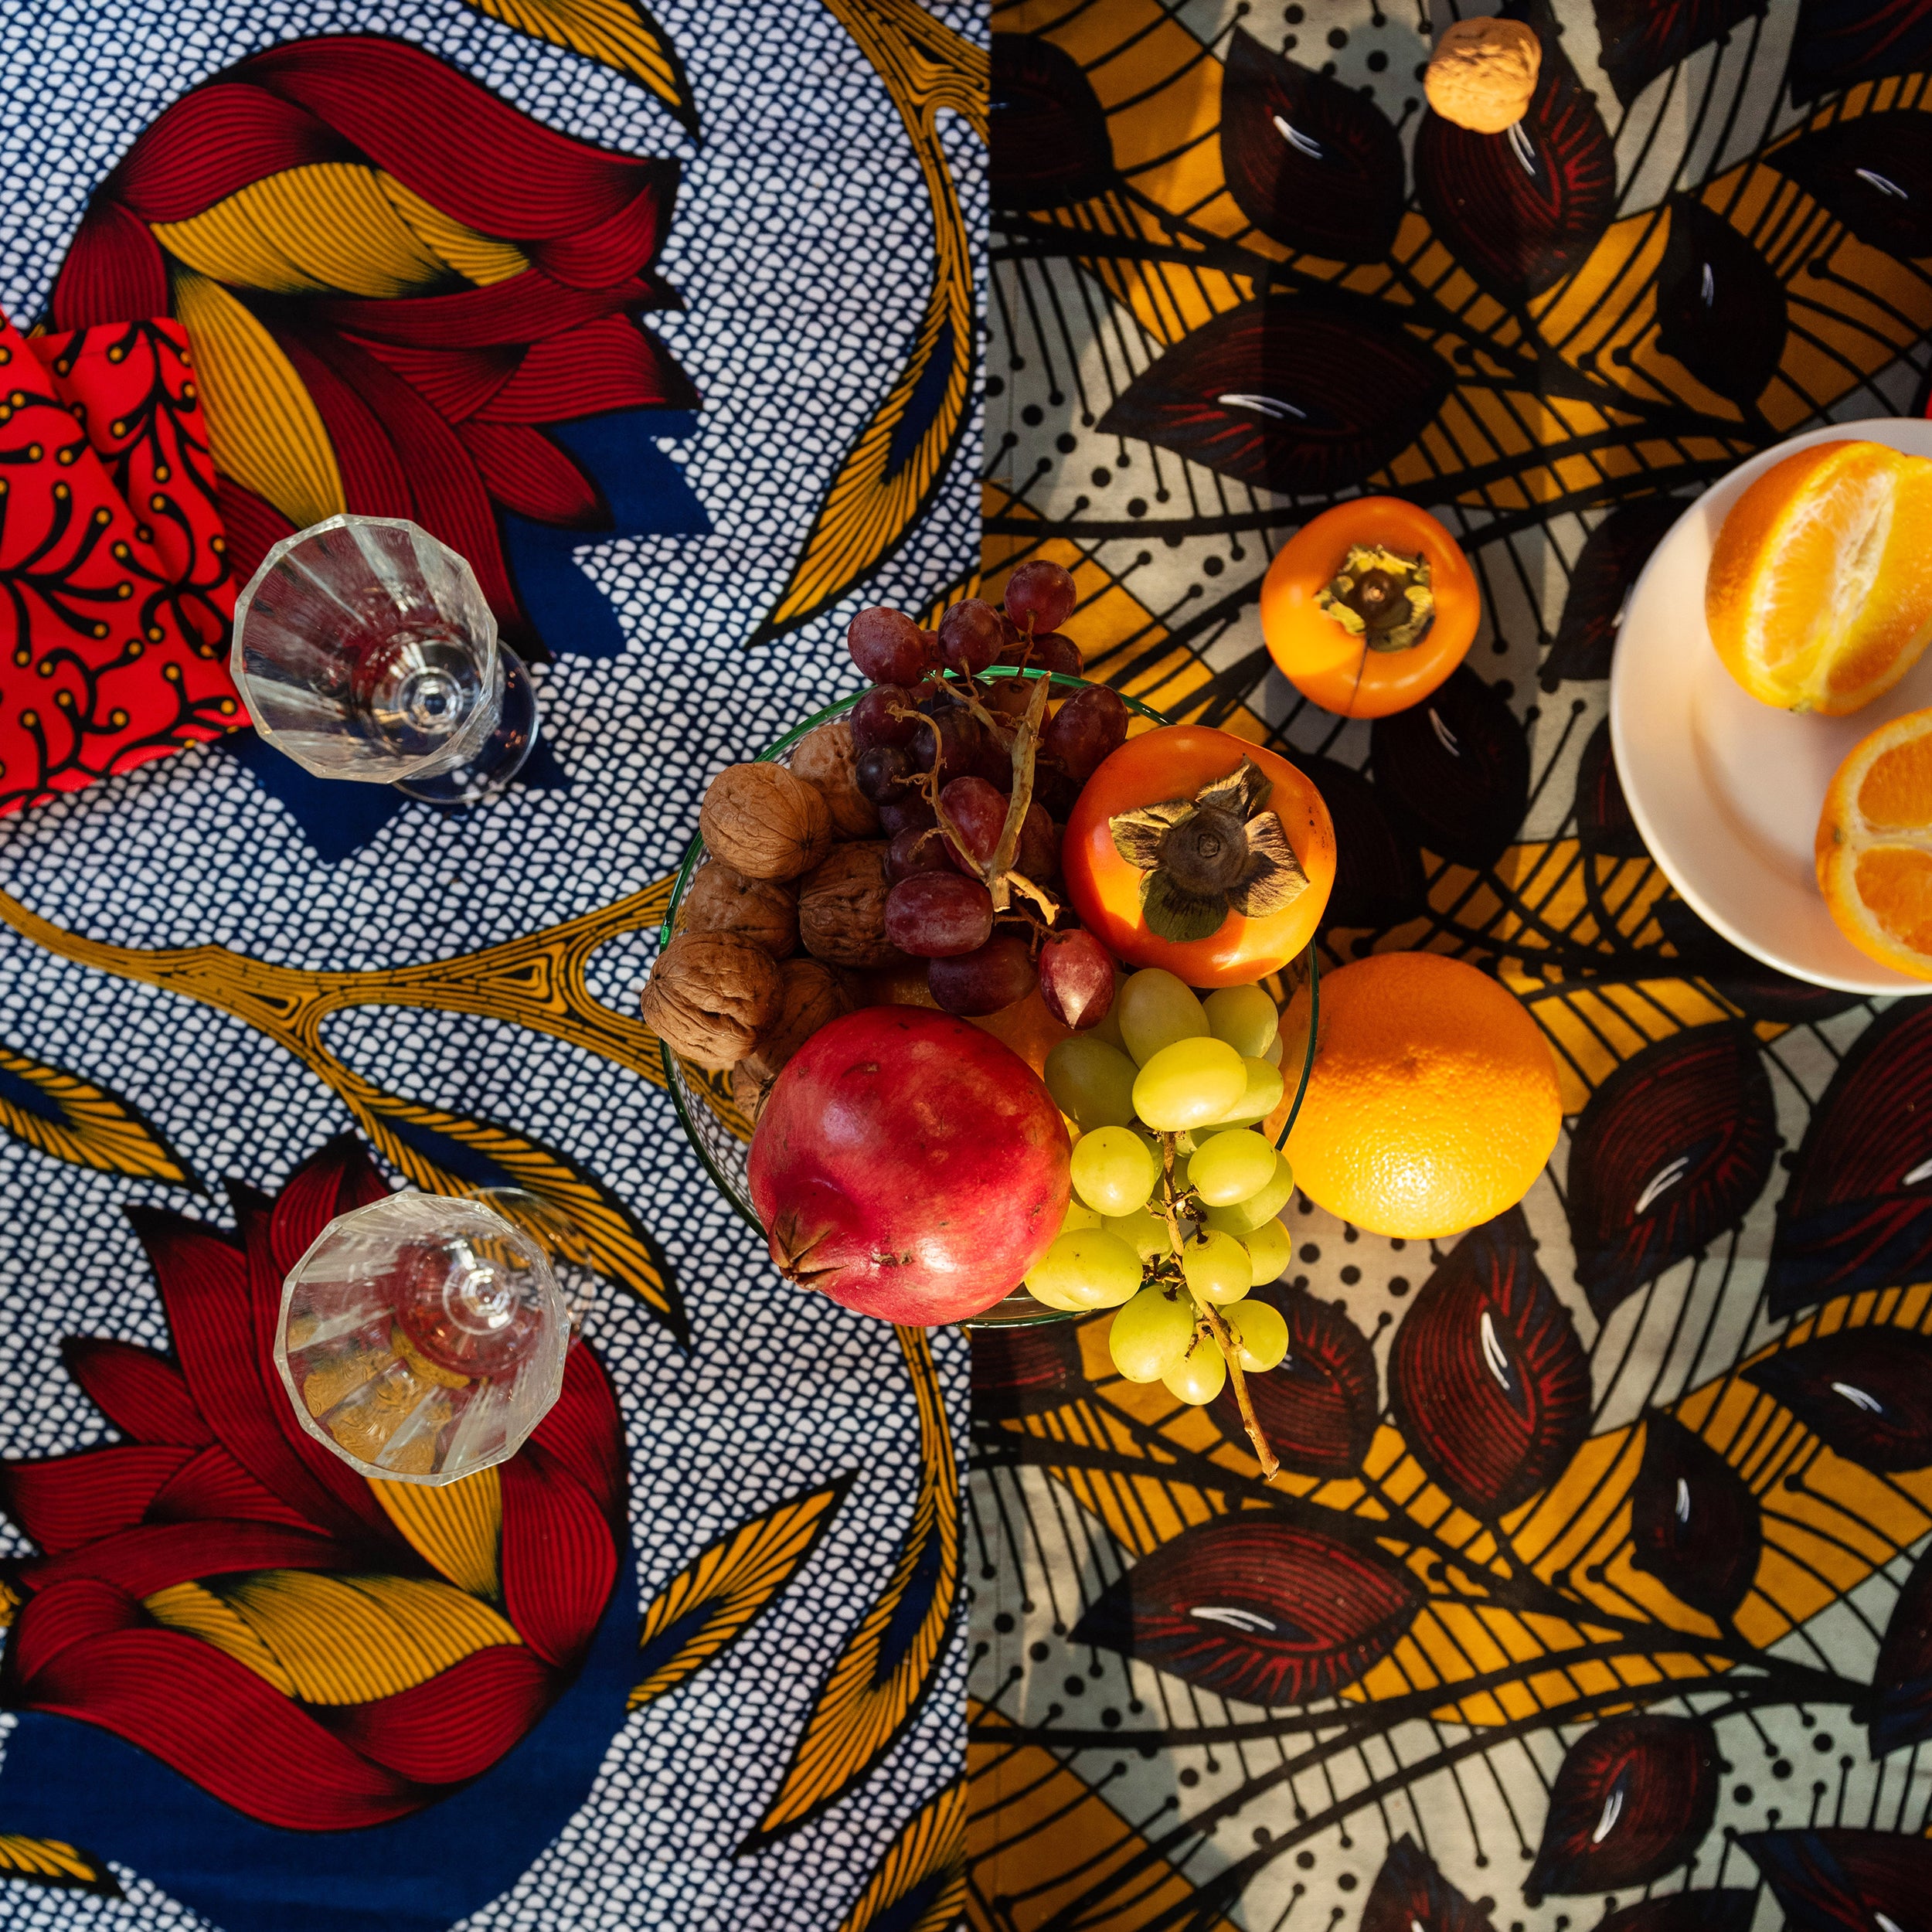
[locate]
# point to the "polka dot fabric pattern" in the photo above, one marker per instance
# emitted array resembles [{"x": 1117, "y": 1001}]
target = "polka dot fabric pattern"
[
  {"x": 1591, "y": 1591},
  {"x": 801, "y": 248}
]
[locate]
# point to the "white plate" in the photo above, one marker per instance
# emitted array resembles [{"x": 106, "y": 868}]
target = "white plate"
[{"x": 1725, "y": 790}]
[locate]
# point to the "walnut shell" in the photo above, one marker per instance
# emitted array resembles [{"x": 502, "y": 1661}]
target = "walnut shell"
[
  {"x": 710, "y": 995},
  {"x": 764, "y": 911},
  {"x": 1483, "y": 74},
  {"x": 842, "y": 907},
  {"x": 750, "y": 1090},
  {"x": 763, "y": 822},
  {"x": 814, "y": 996},
  {"x": 828, "y": 761}
]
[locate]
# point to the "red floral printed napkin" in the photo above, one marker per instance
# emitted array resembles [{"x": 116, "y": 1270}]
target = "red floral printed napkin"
[{"x": 114, "y": 589}]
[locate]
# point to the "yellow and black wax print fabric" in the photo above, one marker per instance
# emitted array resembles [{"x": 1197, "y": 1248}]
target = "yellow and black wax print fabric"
[
  {"x": 664, "y": 318},
  {"x": 1593, "y": 1588}
]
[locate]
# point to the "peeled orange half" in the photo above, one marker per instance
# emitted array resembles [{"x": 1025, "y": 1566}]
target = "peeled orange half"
[
  {"x": 1819, "y": 592},
  {"x": 1874, "y": 849}
]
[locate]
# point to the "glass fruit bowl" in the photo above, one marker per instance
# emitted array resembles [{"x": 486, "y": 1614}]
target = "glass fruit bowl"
[{"x": 717, "y": 1127}]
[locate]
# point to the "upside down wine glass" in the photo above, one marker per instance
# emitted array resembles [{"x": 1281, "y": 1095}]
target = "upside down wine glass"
[
  {"x": 421, "y": 1338},
  {"x": 365, "y": 649}
]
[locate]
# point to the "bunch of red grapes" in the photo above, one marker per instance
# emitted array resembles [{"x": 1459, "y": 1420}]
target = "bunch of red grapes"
[{"x": 918, "y": 740}]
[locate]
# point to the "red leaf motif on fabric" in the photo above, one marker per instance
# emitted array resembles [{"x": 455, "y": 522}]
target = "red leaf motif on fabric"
[
  {"x": 1726, "y": 1911},
  {"x": 1874, "y": 172},
  {"x": 1604, "y": 825},
  {"x": 156, "y": 1555},
  {"x": 1600, "y": 581},
  {"x": 1632, "y": 1800},
  {"x": 1308, "y": 394},
  {"x": 209, "y": 144},
  {"x": 72, "y": 1500},
  {"x": 1410, "y": 1895},
  {"x": 214, "y": 1483},
  {"x": 583, "y": 1433},
  {"x": 143, "y": 1394},
  {"x": 1256, "y": 1609},
  {"x": 1720, "y": 305},
  {"x": 1452, "y": 772},
  {"x": 457, "y": 1724},
  {"x": 1025, "y": 1372},
  {"x": 1318, "y": 1406},
  {"x": 1694, "y": 1522},
  {"x": 1640, "y": 38},
  {"x": 1378, "y": 870},
  {"x": 74, "y": 1612},
  {"x": 1840, "y": 1881},
  {"x": 455, "y": 382},
  {"x": 189, "y": 1704},
  {"x": 1866, "y": 1393},
  {"x": 204, "y": 1287},
  {"x": 1050, "y": 146},
  {"x": 609, "y": 364},
  {"x": 1308, "y": 161},
  {"x": 526, "y": 472},
  {"x": 338, "y": 1179},
  {"x": 1902, "y": 1679},
  {"x": 114, "y": 270},
  {"x": 254, "y": 528},
  {"x": 1672, "y": 1149},
  {"x": 1488, "y": 1381},
  {"x": 558, "y": 1561},
  {"x": 1839, "y": 41},
  {"x": 1522, "y": 209}
]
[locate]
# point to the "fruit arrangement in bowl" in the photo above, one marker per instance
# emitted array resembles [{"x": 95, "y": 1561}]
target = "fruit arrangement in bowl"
[{"x": 907, "y": 938}]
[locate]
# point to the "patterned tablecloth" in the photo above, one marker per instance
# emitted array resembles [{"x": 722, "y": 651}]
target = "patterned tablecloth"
[
  {"x": 665, "y": 319},
  {"x": 1591, "y": 1589}
]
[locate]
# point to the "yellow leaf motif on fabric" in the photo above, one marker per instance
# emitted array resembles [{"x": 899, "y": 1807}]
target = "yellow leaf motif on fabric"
[
  {"x": 328, "y": 227},
  {"x": 197, "y": 1611},
  {"x": 53, "y": 1862},
  {"x": 619, "y": 33},
  {"x": 86, "y": 1124},
  {"x": 716, "y": 1597},
  {"x": 887, "y": 1666},
  {"x": 477, "y": 258},
  {"x": 334, "y": 1640},
  {"x": 263, "y": 425},
  {"x": 885, "y": 480},
  {"x": 538, "y": 980},
  {"x": 456, "y": 1527},
  {"x": 920, "y": 1884}
]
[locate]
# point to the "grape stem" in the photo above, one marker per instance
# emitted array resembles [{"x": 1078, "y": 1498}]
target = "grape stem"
[
  {"x": 999, "y": 868},
  {"x": 1210, "y": 1316}
]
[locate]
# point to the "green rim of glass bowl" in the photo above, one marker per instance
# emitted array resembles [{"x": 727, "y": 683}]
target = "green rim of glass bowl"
[{"x": 1033, "y": 1314}]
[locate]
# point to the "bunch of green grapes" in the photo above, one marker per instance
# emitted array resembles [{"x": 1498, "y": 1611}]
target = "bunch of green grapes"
[{"x": 1176, "y": 1195}]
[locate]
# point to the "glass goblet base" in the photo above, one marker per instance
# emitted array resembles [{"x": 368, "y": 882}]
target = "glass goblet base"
[{"x": 500, "y": 757}]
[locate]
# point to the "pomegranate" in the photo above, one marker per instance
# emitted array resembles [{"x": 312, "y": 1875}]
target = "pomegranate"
[{"x": 909, "y": 1165}]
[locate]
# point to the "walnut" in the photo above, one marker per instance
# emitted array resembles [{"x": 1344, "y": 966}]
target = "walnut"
[
  {"x": 842, "y": 907},
  {"x": 710, "y": 995},
  {"x": 763, "y": 822},
  {"x": 764, "y": 911},
  {"x": 813, "y": 995},
  {"x": 750, "y": 1090},
  {"x": 827, "y": 759},
  {"x": 1483, "y": 74}
]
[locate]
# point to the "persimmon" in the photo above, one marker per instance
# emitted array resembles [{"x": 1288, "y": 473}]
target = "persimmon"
[
  {"x": 1367, "y": 609},
  {"x": 1192, "y": 849}
]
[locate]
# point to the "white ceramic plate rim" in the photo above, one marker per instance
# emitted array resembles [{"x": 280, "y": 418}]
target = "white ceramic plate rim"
[{"x": 1664, "y": 651}]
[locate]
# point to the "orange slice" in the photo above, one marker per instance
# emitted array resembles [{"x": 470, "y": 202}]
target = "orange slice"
[
  {"x": 1874, "y": 849},
  {"x": 1819, "y": 592}
]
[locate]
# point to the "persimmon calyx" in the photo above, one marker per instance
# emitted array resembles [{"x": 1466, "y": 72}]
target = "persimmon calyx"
[
  {"x": 1381, "y": 597},
  {"x": 1203, "y": 857}
]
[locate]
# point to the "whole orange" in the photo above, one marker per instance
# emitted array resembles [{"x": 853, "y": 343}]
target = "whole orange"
[{"x": 1433, "y": 1104}]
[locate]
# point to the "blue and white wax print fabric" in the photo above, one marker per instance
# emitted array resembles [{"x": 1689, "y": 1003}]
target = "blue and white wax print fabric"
[{"x": 672, "y": 315}]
